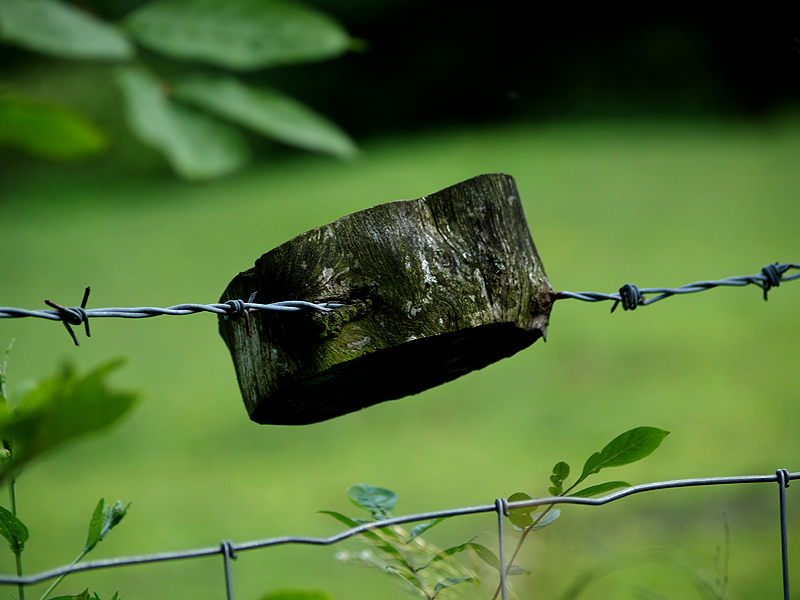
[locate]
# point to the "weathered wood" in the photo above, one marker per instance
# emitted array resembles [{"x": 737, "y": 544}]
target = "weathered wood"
[{"x": 432, "y": 289}]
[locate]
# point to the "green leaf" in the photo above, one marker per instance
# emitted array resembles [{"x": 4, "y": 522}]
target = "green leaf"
[
  {"x": 13, "y": 530},
  {"x": 601, "y": 488},
  {"x": 95, "y": 527},
  {"x": 62, "y": 30},
  {"x": 3, "y": 365},
  {"x": 374, "y": 538},
  {"x": 48, "y": 130},
  {"x": 84, "y": 595},
  {"x": 104, "y": 519},
  {"x": 547, "y": 518},
  {"x": 297, "y": 595},
  {"x": 59, "y": 409},
  {"x": 378, "y": 501},
  {"x": 266, "y": 111},
  {"x": 491, "y": 559},
  {"x": 486, "y": 555},
  {"x": 196, "y": 145},
  {"x": 238, "y": 34},
  {"x": 626, "y": 448},
  {"x": 451, "y": 581},
  {"x": 560, "y": 473},
  {"x": 423, "y": 527},
  {"x": 452, "y": 550},
  {"x": 520, "y": 517}
]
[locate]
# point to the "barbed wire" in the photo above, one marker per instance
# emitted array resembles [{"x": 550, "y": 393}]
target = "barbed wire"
[
  {"x": 501, "y": 506},
  {"x": 629, "y": 296},
  {"x": 232, "y": 309}
]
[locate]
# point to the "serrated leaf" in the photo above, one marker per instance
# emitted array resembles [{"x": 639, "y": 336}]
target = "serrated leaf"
[
  {"x": 238, "y": 34},
  {"x": 266, "y": 111},
  {"x": 62, "y": 30},
  {"x": 59, "y": 409},
  {"x": 48, "y": 130},
  {"x": 601, "y": 488},
  {"x": 378, "y": 501},
  {"x": 629, "y": 447},
  {"x": 13, "y": 530},
  {"x": 196, "y": 145}
]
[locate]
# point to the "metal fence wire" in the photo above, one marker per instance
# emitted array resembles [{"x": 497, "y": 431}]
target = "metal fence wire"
[
  {"x": 629, "y": 296},
  {"x": 501, "y": 506}
]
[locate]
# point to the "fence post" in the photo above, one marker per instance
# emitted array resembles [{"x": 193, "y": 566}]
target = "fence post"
[{"x": 431, "y": 289}]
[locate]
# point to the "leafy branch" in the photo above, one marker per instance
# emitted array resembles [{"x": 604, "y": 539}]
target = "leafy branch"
[
  {"x": 627, "y": 448},
  {"x": 57, "y": 410},
  {"x": 196, "y": 117},
  {"x": 428, "y": 571}
]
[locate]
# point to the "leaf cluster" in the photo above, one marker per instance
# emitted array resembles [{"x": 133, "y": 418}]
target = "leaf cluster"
[
  {"x": 197, "y": 116},
  {"x": 57, "y": 410},
  {"x": 427, "y": 571},
  {"x": 422, "y": 568}
]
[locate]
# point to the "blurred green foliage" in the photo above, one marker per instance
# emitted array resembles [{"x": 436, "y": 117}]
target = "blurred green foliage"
[{"x": 191, "y": 113}]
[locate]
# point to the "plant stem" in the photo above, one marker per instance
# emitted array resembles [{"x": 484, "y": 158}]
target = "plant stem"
[
  {"x": 12, "y": 491},
  {"x": 57, "y": 581}
]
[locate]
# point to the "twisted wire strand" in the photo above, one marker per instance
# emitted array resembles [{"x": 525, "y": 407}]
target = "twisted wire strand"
[
  {"x": 630, "y": 296},
  {"x": 232, "y": 309}
]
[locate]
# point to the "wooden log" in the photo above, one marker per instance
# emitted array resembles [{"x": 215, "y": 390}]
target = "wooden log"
[{"x": 431, "y": 288}]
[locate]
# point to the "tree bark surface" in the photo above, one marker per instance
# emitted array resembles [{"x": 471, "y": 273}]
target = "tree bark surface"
[{"x": 431, "y": 288}]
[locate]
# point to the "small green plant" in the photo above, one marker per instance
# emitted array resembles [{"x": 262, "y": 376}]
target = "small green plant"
[
  {"x": 429, "y": 572},
  {"x": 181, "y": 68},
  {"x": 419, "y": 565},
  {"x": 55, "y": 411}
]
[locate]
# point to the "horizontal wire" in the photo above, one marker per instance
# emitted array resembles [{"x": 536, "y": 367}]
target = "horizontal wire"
[
  {"x": 781, "y": 476},
  {"x": 629, "y": 296}
]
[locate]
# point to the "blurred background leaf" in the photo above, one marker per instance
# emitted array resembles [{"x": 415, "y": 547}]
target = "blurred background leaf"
[
  {"x": 61, "y": 30},
  {"x": 266, "y": 111},
  {"x": 238, "y": 34},
  {"x": 196, "y": 145},
  {"x": 48, "y": 130}
]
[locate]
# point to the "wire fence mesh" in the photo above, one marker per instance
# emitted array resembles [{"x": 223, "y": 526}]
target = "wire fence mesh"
[
  {"x": 629, "y": 296},
  {"x": 228, "y": 549}
]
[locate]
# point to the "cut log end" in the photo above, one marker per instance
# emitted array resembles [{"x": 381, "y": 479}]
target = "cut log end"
[{"x": 431, "y": 289}]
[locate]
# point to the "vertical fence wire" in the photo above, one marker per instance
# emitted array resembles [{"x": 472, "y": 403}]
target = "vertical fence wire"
[{"x": 783, "y": 483}]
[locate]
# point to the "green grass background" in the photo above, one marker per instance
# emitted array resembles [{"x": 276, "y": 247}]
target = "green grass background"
[{"x": 656, "y": 203}]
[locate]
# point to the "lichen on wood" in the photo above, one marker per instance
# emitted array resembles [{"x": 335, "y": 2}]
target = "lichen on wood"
[{"x": 431, "y": 289}]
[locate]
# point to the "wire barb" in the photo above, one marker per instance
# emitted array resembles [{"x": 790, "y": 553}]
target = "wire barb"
[
  {"x": 74, "y": 316},
  {"x": 231, "y": 309},
  {"x": 631, "y": 296}
]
